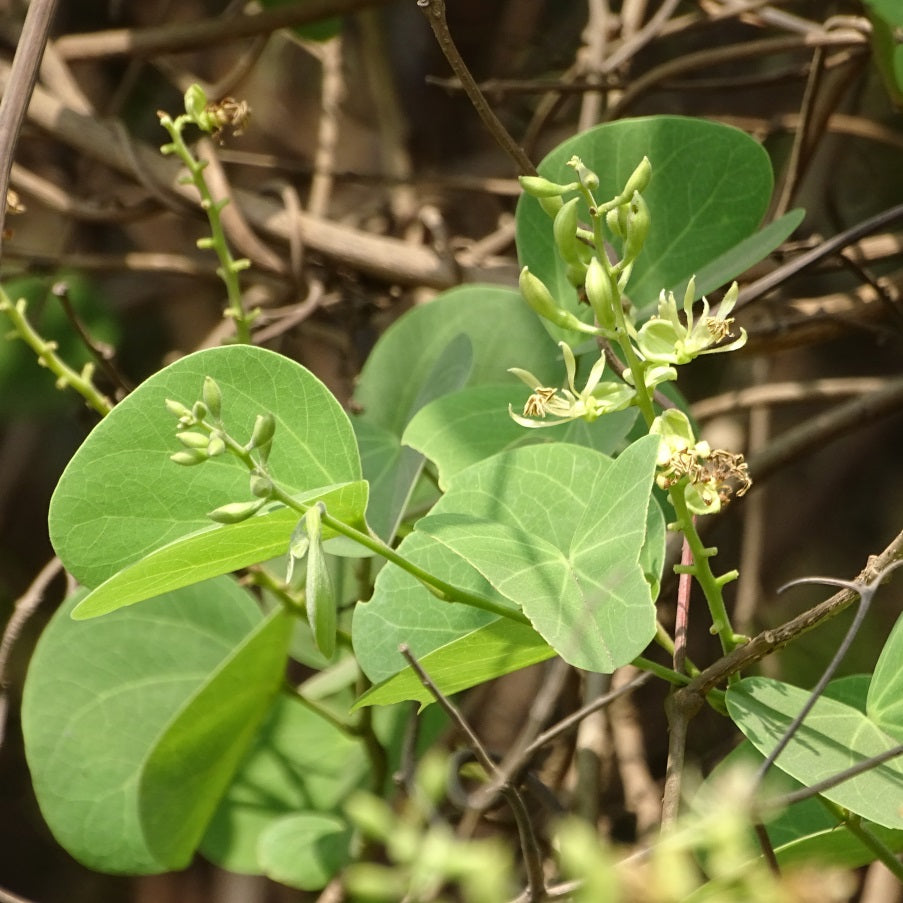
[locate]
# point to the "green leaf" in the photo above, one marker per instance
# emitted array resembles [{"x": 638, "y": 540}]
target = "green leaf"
[
  {"x": 710, "y": 188},
  {"x": 393, "y": 471},
  {"x": 471, "y": 658},
  {"x": 466, "y": 427},
  {"x": 886, "y": 17},
  {"x": 743, "y": 255},
  {"x": 135, "y": 723},
  {"x": 298, "y": 763},
  {"x": 306, "y": 850},
  {"x": 885, "y": 697},
  {"x": 216, "y": 550},
  {"x": 553, "y": 491},
  {"x": 121, "y": 499},
  {"x": 404, "y": 357},
  {"x": 834, "y": 737},
  {"x": 578, "y": 578}
]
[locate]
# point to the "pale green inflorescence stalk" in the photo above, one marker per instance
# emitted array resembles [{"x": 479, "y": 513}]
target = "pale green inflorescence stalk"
[
  {"x": 699, "y": 479},
  {"x": 213, "y": 119}
]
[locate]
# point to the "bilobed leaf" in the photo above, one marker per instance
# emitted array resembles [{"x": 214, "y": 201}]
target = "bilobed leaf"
[
  {"x": 391, "y": 469},
  {"x": 834, "y": 737},
  {"x": 710, "y": 188},
  {"x": 553, "y": 492},
  {"x": 121, "y": 499},
  {"x": 585, "y": 593},
  {"x": 119, "y": 712},
  {"x": 499, "y": 646}
]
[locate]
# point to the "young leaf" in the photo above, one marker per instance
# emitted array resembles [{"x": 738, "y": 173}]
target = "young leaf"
[
  {"x": 319, "y": 596},
  {"x": 305, "y": 850},
  {"x": 113, "y": 728}
]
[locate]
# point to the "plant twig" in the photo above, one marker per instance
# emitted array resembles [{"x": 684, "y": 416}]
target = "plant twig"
[
  {"x": 434, "y": 10},
  {"x": 499, "y": 782},
  {"x": 18, "y": 89},
  {"x": 205, "y": 33},
  {"x": 25, "y": 607}
]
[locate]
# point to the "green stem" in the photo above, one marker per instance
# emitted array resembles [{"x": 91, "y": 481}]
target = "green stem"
[
  {"x": 702, "y": 571},
  {"x": 853, "y": 823},
  {"x": 47, "y": 357},
  {"x": 445, "y": 591},
  {"x": 229, "y": 267},
  {"x": 666, "y": 673}
]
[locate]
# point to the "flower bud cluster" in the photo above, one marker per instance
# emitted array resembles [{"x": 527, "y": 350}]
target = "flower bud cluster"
[
  {"x": 203, "y": 436},
  {"x": 653, "y": 350}
]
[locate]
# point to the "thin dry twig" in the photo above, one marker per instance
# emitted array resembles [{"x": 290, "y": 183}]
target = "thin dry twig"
[
  {"x": 181, "y": 36},
  {"x": 24, "y": 608}
]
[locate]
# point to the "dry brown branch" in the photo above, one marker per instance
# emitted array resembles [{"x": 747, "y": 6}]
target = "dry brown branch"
[{"x": 181, "y": 36}]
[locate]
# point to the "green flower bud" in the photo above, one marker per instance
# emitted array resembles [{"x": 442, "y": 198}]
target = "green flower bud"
[
  {"x": 264, "y": 430},
  {"x": 189, "y": 457},
  {"x": 192, "y": 439},
  {"x": 261, "y": 486},
  {"x": 587, "y": 178},
  {"x": 600, "y": 294},
  {"x": 538, "y": 187},
  {"x": 216, "y": 446},
  {"x": 576, "y": 273},
  {"x": 540, "y": 299},
  {"x": 199, "y": 411},
  {"x": 564, "y": 229},
  {"x": 177, "y": 408},
  {"x": 319, "y": 595},
  {"x": 236, "y": 512},
  {"x": 638, "y": 222},
  {"x": 639, "y": 179},
  {"x": 213, "y": 397},
  {"x": 616, "y": 220}
]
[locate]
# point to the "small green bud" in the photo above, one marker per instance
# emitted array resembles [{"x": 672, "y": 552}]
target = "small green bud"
[
  {"x": 236, "y": 512},
  {"x": 319, "y": 595},
  {"x": 564, "y": 229},
  {"x": 540, "y": 299},
  {"x": 261, "y": 486},
  {"x": 216, "y": 446},
  {"x": 587, "y": 178},
  {"x": 600, "y": 294},
  {"x": 177, "y": 408},
  {"x": 638, "y": 222},
  {"x": 199, "y": 411},
  {"x": 616, "y": 220},
  {"x": 192, "y": 439},
  {"x": 639, "y": 178},
  {"x": 264, "y": 429},
  {"x": 189, "y": 457},
  {"x": 213, "y": 397},
  {"x": 538, "y": 187}
]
